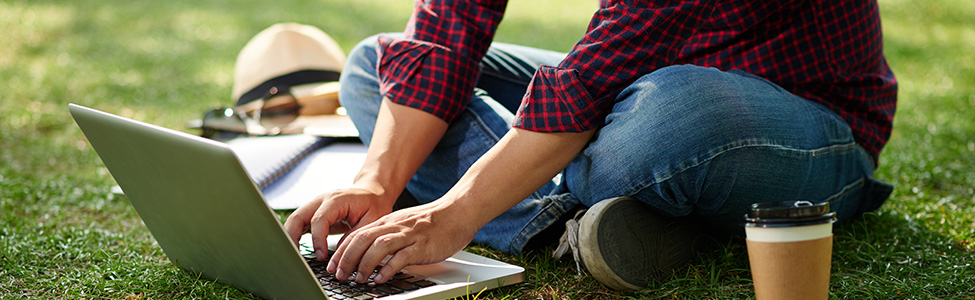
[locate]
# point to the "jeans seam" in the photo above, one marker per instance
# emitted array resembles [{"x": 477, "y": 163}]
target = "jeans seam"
[
  {"x": 521, "y": 237},
  {"x": 845, "y": 190},
  {"x": 732, "y": 147},
  {"x": 832, "y": 149},
  {"x": 482, "y": 126}
]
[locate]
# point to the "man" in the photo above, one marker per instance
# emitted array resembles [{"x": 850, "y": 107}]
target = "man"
[{"x": 664, "y": 109}]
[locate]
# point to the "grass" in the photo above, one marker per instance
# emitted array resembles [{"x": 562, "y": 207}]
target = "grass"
[{"x": 62, "y": 235}]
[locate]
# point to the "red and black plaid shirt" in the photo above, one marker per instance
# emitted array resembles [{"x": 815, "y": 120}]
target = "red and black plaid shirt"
[{"x": 826, "y": 51}]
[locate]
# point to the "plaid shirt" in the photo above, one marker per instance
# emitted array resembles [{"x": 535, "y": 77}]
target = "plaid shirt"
[{"x": 827, "y": 51}]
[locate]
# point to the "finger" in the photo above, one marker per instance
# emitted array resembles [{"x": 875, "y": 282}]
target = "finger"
[
  {"x": 341, "y": 227},
  {"x": 349, "y": 253},
  {"x": 297, "y": 223},
  {"x": 337, "y": 254},
  {"x": 397, "y": 262},
  {"x": 381, "y": 247},
  {"x": 321, "y": 221},
  {"x": 344, "y": 227}
]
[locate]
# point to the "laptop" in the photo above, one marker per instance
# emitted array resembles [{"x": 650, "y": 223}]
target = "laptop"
[{"x": 210, "y": 218}]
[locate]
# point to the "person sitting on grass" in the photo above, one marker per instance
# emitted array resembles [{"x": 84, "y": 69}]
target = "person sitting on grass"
[{"x": 666, "y": 119}]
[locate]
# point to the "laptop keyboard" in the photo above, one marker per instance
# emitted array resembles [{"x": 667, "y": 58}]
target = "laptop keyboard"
[{"x": 335, "y": 289}]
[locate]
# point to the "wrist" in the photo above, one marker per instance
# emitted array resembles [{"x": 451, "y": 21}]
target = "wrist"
[
  {"x": 386, "y": 191},
  {"x": 469, "y": 208},
  {"x": 463, "y": 213}
]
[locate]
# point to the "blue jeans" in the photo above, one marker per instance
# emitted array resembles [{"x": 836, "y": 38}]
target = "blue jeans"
[{"x": 686, "y": 140}]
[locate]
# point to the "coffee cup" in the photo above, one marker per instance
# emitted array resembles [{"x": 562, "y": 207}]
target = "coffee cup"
[{"x": 790, "y": 249}]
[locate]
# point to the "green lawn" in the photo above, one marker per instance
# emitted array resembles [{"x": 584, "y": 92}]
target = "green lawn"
[{"x": 62, "y": 235}]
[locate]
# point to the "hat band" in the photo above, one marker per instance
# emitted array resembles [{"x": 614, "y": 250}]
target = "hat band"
[{"x": 288, "y": 80}]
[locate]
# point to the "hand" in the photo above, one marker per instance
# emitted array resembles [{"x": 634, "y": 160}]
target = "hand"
[
  {"x": 338, "y": 211},
  {"x": 418, "y": 235}
]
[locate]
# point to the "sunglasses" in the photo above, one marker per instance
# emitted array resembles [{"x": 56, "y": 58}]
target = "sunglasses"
[{"x": 268, "y": 115}]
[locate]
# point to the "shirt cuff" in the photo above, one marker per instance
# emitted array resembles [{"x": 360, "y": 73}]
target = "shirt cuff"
[
  {"x": 557, "y": 101},
  {"x": 425, "y": 76}
]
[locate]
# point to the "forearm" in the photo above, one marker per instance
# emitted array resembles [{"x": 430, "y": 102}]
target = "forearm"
[
  {"x": 517, "y": 166},
  {"x": 520, "y": 163},
  {"x": 402, "y": 140}
]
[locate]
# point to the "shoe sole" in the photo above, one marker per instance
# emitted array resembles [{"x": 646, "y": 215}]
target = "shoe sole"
[{"x": 627, "y": 246}]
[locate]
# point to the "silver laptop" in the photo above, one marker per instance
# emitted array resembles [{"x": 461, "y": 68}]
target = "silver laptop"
[{"x": 211, "y": 219}]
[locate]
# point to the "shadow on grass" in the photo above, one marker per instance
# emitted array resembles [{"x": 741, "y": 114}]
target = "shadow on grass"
[{"x": 886, "y": 255}]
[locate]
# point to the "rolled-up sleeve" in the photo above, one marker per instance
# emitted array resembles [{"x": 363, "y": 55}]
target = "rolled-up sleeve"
[
  {"x": 434, "y": 66},
  {"x": 624, "y": 41}
]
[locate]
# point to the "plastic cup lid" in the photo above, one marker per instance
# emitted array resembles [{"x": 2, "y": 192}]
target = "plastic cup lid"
[{"x": 788, "y": 213}]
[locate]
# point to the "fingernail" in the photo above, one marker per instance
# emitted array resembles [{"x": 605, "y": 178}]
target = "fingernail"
[
  {"x": 330, "y": 267},
  {"x": 340, "y": 274},
  {"x": 378, "y": 278},
  {"x": 360, "y": 277},
  {"x": 319, "y": 254}
]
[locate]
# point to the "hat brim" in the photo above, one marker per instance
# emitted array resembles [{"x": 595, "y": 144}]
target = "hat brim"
[
  {"x": 315, "y": 89},
  {"x": 317, "y": 99}
]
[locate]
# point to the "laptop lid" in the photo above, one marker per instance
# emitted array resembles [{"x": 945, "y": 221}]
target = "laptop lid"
[
  {"x": 198, "y": 202},
  {"x": 210, "y": 218}
]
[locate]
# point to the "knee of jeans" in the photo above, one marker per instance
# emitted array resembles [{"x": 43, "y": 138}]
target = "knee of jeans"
[
  {"x": 360, "y": 85},
  {"x": 679, "y": 79},
  {"x": 677, "y": 91},
  {"x": 364, "y": 49},
  {"x": 362, "y": 58},
  {"x": 680, "y": 103}
]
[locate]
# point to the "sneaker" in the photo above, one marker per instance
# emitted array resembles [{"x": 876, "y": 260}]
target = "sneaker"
[{"x": 625, "y": 245}]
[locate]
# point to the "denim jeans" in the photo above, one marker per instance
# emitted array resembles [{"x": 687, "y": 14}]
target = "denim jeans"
[{"x": 686, "y": 140}]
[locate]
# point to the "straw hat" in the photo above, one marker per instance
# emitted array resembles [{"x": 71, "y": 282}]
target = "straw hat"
[{"x": 291, "y": 56}]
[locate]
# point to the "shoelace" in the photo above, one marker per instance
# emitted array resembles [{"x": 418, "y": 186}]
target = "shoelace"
[{"x": 570, "y": 241}]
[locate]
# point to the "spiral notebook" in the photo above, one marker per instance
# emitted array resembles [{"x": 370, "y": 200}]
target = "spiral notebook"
[{"x": 267, "y": 158}]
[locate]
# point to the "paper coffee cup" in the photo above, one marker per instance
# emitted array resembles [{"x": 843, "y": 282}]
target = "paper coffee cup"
[{"x": 790, "y": 249}]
